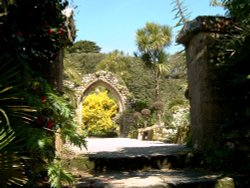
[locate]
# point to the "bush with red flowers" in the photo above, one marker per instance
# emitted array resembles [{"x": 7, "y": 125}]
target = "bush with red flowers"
[{"x": 32, "y": 33}]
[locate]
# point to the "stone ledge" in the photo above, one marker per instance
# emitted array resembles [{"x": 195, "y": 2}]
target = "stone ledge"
[
  {"x": 194, "y": 178},
  {"x": 213, "y": 24}
]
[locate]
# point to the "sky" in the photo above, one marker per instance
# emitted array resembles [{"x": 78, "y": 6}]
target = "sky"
[{"x": 112, "y": 24}]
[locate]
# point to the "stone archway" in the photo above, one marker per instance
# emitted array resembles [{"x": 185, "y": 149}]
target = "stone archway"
[
  {"x": 115, "y": 92},
  {"x": 105, "y": 79}
]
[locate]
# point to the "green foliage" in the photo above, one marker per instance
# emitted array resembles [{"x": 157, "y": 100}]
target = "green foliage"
[
  {"x": 83, "y": 63},
  {"x": 140, "y": 85},
  {"x": 152, "y": 39},
  {"x": 84, "y": 46},
  {"x": 236, "y": 42},
  {"x": 139, "y": 105},
  {"x": 98, "y": 111},
  {"x": 117, "y": 63},
  {"x": 6, "y": 136},
  {"x": 82, "y": 58},
  {"x": 57, "y": 176},
  {"x": 130, "y": 69},
  {"x": 240, "y": 41},
  {"x": 64, "y": 117},
  {"x": 71, "y": 71}
]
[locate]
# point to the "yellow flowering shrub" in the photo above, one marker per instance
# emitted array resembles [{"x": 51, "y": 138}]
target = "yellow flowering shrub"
[{"x": 98, "y": 111}]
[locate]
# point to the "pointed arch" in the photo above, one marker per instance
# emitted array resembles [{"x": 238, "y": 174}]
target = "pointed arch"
[{"x": 114, "y": 91}]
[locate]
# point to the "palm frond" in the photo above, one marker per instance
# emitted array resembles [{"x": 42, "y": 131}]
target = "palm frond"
[
  {"x": 6, "y": 136},
  {"x": 163, "y": 69},
  {"x": 11, "y": 165},
  {"x": 5, "y": 117},
  {"x": 12, "y": 170},
  {"x": 13, "y": 113}
]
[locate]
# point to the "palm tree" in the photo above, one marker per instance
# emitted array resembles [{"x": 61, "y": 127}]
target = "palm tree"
[{"x": 151, "y": 41}]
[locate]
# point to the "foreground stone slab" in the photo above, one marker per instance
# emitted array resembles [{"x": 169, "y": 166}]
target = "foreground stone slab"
[{"x": 153, "y": 179}]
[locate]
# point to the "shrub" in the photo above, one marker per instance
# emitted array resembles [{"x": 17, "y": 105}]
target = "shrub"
[{"x": 98, "y": 111}]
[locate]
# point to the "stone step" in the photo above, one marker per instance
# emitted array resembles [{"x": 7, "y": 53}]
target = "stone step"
[
  {"x": 188, "y": 178},
  {"x": 129, "y": 154},
  {"x": 144, "y": 161},
  {"x": 145, "y": 155}
]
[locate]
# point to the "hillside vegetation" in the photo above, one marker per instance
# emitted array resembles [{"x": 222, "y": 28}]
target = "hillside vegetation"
[{"x": 138, "y": 78}]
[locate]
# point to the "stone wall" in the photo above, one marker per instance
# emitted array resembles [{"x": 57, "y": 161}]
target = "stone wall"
[{"x": 207, "y": 112}]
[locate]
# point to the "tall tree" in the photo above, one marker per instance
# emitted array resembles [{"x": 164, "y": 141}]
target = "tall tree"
[{"x": 151, "y": 41}]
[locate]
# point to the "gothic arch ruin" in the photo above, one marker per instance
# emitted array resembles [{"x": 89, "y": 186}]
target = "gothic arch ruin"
[{"x": 105, "y": 79}]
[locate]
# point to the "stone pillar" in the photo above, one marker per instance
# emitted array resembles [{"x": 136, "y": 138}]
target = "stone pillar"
[{"x": 199, "y": 37}]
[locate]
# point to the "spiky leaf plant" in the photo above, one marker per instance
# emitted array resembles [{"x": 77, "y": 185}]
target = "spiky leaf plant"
[{"x": 12, "y": 110}]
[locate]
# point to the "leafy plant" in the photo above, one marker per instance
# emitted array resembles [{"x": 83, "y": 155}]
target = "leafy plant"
[
  {"x": 57, "y": 176},
  {"x": 64, "y": 118}
]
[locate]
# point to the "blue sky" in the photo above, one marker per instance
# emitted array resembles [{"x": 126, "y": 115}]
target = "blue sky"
[{"x": 112, "y": 24}]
